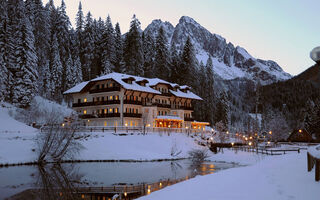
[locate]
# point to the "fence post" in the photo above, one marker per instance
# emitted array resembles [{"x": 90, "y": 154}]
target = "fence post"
[
  {"x": 309, "y": 161},
  {"x": 317, "y": 170}
]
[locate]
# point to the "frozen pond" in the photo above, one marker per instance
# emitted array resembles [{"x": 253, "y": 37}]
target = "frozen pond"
[{"x": 98, "y": 180}]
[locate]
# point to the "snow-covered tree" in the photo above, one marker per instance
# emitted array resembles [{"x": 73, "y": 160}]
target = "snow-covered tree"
[
  {"x": 174, "y": 63},
  {"x": 312, "y": 119},
  {"x": 88, "y": 48},
  {"x": 133, "y": 49},
  {"x": 148, "y": 55},
  {"x": 187, "y": 69},
  {"x": 162, "y": 62},
  {"x": 23, "y": 59},
  {"x": 55, "y": 69},
  {"x": 108, "y": 48},
  {"x": 118, "y": 42}
]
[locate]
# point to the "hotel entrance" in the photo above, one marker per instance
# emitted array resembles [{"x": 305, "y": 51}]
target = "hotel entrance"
[{"x": 168, "y": 121}]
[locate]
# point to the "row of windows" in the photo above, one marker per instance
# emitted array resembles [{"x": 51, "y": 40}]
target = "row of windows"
[
  {"x": 187, "y": 115},
  {"x": 163, "y": 90},
  {"x": 162, "y": 112},
  {"x": 107, "y": 85},
  {"x": 112, "y": 110},
  {"x": 106, "y": 98}
]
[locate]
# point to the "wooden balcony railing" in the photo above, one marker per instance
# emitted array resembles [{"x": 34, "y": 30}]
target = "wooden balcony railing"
[
  {"x": 108, "y": 115},
  {"x": 96, "y": 103},
  {"x": 135, "y": 115},
  {"x": 162, "y": 105},
  {"x": 188, "y": 119},
  {"x": 132, "y": 102},
  {"x": 100, "y": 90}
]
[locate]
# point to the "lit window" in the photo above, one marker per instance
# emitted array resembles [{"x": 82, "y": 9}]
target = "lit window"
[
  {"x": 105, "y": 111},
  {"x": 111, "y": 84},
  {"x": 116, "y": 110},
  {"x": 85, "y": 100},
  {"x": 130, "y": 123},
  {"x": 110, "y": 110},
  {"x": 85, "y": 112},
  {"x": 111, "y": 97},
  {"x": 117, "y": 97},
  {"x": 105, "y": 123}
]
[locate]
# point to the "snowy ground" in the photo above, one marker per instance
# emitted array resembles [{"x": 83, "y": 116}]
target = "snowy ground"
[{"x": 274, "y": 177}]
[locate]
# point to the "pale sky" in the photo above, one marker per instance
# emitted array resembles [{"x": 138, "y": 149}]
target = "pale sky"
[{"x": 281, "y": 30}]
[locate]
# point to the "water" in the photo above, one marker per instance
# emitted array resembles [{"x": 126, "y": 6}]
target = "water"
[{"x": 98, "y": 180}]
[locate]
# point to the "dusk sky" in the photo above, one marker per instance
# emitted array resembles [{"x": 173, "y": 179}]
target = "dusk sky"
[{"x": 281, "y": 30}]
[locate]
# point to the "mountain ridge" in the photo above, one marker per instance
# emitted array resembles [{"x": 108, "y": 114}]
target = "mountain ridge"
[{"x": 230, "y": 62}]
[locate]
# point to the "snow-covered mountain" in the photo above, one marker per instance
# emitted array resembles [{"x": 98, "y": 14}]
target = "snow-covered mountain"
[{"x": 230, "y": 62}]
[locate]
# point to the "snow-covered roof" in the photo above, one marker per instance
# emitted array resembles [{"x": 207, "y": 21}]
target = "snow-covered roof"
[
  {"x": 188, "y": 94},
  {"x": 120, "y": 79},
  {"x": 76, "y": 88},
  {"x": 169, "y": 117}
]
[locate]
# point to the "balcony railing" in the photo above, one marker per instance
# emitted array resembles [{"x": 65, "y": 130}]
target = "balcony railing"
[
  {"x": 100, "y": 90},
  {"x": 108, "y": 115},
  {"x": 166, "y": 94},
  {"x": 132, "y": 102},
  {"x": 182, "y": 107},
  {"x": 162, "y": 105},
  {"x": 188, "y": 119},
  {"x": 96, "y": 103},
  {"x": 136, "y": 115},
  {"x": 87, "y": 116}
]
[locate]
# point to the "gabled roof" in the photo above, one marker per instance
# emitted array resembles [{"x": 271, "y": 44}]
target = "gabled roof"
[
  {"x": 120, "y": 79},
  {"x": 76, "y": 88}
]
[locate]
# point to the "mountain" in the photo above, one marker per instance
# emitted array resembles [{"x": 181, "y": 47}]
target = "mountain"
[
  {"x": 230, "y": 62},
  {"x": 311, "y": 74}
]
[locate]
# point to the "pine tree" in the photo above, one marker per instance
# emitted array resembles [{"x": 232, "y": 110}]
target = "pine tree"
[
  {"x": 161, "y": 63},
  {"x": 24, "y": 59},
  {"x": 222, "y": 110},
  {"x": 108, "y": 46},
  {"x": 133, "y": 50},
  {"x": 56, "y": 69},
  {"x": 76, "y": 65},
  {"x": 148, "y": 55},
  {"x": 3, "y": 51},
  {"x": 174, "y": 64},
  {"x": 210, "y": 97},
  {"x": 118, "y": 48},
  {"x": 88, "y": 48},
  {"x": 79, "y": 33},
  {"x": 312, "y": 119},
  {"x": 188, "y": 65}
]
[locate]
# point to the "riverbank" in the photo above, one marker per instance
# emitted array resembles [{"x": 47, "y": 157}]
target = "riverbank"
[{"x": 274, "y": 177}]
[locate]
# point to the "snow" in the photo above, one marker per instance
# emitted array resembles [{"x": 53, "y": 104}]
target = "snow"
[
  {"x": 243, "y": 52},
  {"x": 76, "y": 88},
  {"x": 275, "y": 177},
  {"x": 315, "y": 151},
  {"x": 188, "y": 94},
  {"x": 169, "y": 117},
  {"x": 10, "y": 125}
]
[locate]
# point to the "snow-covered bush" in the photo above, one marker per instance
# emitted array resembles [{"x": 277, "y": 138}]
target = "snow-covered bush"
[
  {"x": 197, "y": 156},
  {"x": 42, "y": 111}
]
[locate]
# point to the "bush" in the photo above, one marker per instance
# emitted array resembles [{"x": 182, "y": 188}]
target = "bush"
[{"x": 198, "y": 155}]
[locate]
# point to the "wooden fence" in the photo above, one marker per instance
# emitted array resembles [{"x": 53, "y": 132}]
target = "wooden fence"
[
  {"x": 313, "y": 161},
  {"x": 266, "y": 151}
]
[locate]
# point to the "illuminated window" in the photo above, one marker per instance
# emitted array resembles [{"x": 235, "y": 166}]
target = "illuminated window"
[
  {"x": 110, "y": 110},
  {"x": 116, "y": 110},
  {"x": 85, "y": 112},
  {"x": 111, "y": 85},
  {"x": 105, "y": 111},
  {"x": 130, "y": 123},
  {"x": 111, "y": 97},
  {"x": 85, "y": 100},
  {"x": 115, "y": 123},
  {"x": 105, "y": 123},
  {"x": 117, "y": 97}
]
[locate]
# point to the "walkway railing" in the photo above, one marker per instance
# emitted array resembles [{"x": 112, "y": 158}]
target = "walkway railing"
[
  {"x": 313, "y": 161},
  {"x": 266, "y": 151}
]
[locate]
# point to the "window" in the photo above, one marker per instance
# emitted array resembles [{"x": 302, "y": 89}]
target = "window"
[
  {"x": 98, "y": 98},
  {"x": 110, "y": 110},
  {"x": 111, "y": 84},
  {"x": 116, "y": 97},
  {"x": 102, "y": 98},
  {"x": 159, "y": 113},
  {"x": 97, "y": 87},
  {"x": 85, "y": 100},
  {"x": 130, "y": 123},
  {"x": 105, "y": 111},
  {"x": 137, "y": 111},
  {"x": 115, "y": 123},
  {"x": 126, "y": 110},
  {"x": 85, "y": 112},
  {"x": 105, "y": 123},
  {"x": 111, "y": 97},
  {"x": 79, "y": 100}
]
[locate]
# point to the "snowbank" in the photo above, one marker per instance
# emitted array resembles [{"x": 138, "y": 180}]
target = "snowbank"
[
  {"x": 10, "y": 125},
  {"x": 137, "y": 147},
  {"x": 315, "y": 151},
  {"x": 275, "y": 177}
]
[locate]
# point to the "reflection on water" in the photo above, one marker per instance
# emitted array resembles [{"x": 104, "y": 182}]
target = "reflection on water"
[{"x": 101, "y": 181}]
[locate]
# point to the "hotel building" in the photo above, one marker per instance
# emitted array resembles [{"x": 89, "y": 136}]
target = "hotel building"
[{"x": 116, "y": 99}]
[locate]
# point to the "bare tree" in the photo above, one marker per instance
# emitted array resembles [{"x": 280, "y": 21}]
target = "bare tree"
[
  {"x": 57, "y": 140},
  {"x": 221, "y": 132}
]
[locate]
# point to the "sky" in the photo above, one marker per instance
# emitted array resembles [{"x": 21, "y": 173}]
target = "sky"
[{"x": 281, "y": 30}]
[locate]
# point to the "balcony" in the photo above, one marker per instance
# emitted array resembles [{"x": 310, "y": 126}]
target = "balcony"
[
  {"x": 100, "y": 90},
  {"x": 162, "y": 105},
  {"x": 166, "y": 94},
  {"x": 87, "y": 116},
  {"x": 135, "y": 115},
  {"x": 108, "y": 115},
  {"x": 96, "y": 103},
  {"x": 132, "y": 102},
  {"x": 182, "y": 107},
  {"x": 188, "y": 119}
]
